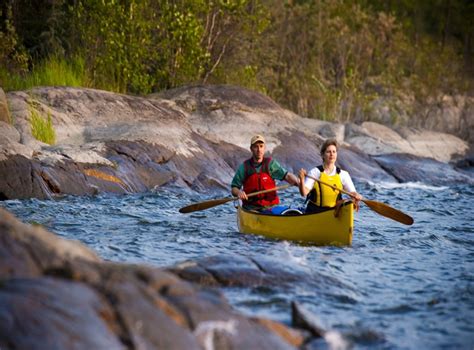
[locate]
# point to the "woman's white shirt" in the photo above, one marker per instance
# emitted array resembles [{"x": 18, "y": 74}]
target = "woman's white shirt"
[{"x": 346, "y": 180}]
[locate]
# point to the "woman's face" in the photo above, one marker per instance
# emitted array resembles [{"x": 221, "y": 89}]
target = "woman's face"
[{"x": 330, "y": 155}]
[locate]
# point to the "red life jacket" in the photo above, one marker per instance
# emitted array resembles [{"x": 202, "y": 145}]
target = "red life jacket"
[{"x": 254, "y": 182}]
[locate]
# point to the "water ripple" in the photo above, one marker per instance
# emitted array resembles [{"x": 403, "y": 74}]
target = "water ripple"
[{"x": 399, "y": 309}]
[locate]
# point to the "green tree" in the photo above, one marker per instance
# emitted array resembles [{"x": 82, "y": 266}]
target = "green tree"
[
  {"x": 231, "y": 38},
  {"x": 13, "y": 56}
]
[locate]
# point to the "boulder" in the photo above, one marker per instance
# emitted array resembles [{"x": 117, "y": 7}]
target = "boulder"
[
  {"x": 409, "y": 168},
  {"x": 377, "y": 139},
  {"x": 450, "y": 114},
  {"x": 224, "y": 113},
  {"x": 301, "y": 151},
  {"x": 333, "y": 131},
  {"x": 9, "y": 134},
  {"x": 238, "y": 271},
  {"x": 447, "y": 114},
  {"x": 57, "y": 293},
  {"x": 298, "y": 151},
  {"x": 10, "y": 142},
  {"x": 5, "y": 116},
  {"x": 361, "y": 166},
  {"x": 39, "y": 313},
  {"x": 431, "y": 144},
  {"x": 304, "y": 319}
]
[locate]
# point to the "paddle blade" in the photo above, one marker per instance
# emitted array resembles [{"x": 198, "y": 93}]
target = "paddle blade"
[
  {"x": 205, "y": 205},
  {"x": 389, "y": 212}
]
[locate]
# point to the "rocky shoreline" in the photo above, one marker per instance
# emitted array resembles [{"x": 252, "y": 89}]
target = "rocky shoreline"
[
  {"x": 57, "y": 293},
  {"x": 195, "y": 137}
]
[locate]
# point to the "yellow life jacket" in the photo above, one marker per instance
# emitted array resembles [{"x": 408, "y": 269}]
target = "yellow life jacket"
[{"x": 322, "y": 195}]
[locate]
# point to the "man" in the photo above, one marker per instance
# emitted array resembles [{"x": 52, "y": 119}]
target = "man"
[{"x": 259, "y": 173}]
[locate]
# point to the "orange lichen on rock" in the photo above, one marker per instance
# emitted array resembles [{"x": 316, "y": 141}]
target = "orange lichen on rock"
[{"x": 103, "y": 176}]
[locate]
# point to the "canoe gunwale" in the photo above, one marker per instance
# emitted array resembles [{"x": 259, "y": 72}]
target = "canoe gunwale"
[{"x": 289, "y": 216}]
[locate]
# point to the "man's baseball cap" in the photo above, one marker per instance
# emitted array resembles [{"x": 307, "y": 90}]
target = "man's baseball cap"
[{"x": 257, "y": 138}]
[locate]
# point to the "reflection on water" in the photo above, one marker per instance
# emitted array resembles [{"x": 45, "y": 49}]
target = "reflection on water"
[{"x": 395, "y": 287}]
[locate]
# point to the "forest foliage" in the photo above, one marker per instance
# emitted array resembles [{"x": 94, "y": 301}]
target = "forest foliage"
[{"x": 326, "y": 59}]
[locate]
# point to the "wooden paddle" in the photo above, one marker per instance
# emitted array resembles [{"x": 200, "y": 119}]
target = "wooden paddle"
[
  {"x": 379, "y": 207},
  {"x": 215, "y": 202}
]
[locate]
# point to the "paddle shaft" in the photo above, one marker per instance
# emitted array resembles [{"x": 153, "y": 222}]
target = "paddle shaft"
[
  {"x": 333, "y": 187},
  {"x": 215, "y": 202},
  {"x": 265, "y": 191}
]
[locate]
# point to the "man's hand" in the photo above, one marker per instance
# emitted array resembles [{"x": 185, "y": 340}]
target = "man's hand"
[
  {"x": 236, "y": 192},
  {"x": 242, "y": 195}
]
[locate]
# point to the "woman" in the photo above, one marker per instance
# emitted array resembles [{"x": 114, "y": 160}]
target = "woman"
[{"x": 319, "y": 195}]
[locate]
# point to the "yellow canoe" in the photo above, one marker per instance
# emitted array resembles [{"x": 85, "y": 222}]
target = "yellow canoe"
[{"x": 319, "y": 229}]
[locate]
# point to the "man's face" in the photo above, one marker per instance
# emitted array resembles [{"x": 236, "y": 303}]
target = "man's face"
[{"x": 258, "y": 150}]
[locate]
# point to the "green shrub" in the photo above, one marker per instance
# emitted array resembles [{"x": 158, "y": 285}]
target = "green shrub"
[{"x": 42, "y": 129}]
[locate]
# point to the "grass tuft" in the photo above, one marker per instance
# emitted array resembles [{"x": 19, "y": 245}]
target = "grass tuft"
[
  {"x": 55, "y": 71},
  {"x": 42, "y": 128}
]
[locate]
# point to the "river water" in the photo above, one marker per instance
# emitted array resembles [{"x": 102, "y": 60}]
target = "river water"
[{"x": 398, "y": 287}]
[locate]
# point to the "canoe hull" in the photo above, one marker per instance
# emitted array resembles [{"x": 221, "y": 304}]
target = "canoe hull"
[{"x": 319, "y": 229}]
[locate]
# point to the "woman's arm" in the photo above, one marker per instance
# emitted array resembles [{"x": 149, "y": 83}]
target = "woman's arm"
[
  {"x": 348, "y": 185},
  {"x": 303, "y": 190}
]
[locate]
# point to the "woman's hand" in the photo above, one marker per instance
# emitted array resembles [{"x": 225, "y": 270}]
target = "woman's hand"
[
  {"x": 357, "y": 198},
  {"x": 292, "y": 179},
  {"x": 303, "y": 190},
  {"x": 302, "y": 175}
]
